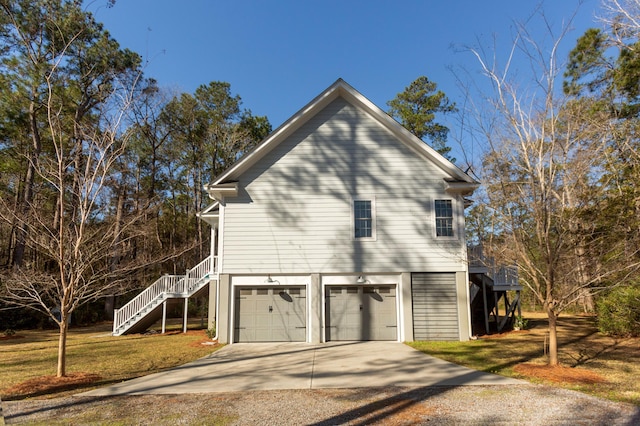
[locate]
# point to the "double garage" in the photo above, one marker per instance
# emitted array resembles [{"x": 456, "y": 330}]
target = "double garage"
[{"x": 280, "y": 313}]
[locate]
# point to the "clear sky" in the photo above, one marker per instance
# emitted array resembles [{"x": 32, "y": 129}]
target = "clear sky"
[{"x": 279, "y": 54}]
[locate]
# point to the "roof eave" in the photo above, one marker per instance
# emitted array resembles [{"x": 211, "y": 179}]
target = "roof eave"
[
  {"x": 218, "y": 192},
  {"x": 461, "y": 187}
]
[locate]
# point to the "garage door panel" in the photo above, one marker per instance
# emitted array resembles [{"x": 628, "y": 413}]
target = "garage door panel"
[
  {"x": 435, "y": 307},
  {"x": 361, "y": 313},
  {"x": 270, "y": 314}
]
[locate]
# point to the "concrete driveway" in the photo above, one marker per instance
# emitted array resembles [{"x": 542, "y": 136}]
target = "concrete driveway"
[{"x": 267, "y": 366}]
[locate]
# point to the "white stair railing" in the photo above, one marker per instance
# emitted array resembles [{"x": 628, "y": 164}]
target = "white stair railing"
[
  {"x": 165, "y": 287},
  {"x": 142, "y": 300}
]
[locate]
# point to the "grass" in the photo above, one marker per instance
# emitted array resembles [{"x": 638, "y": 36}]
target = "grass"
[
  {"x": 94, "y": 358},
  {"x": 593, "y": 363}
]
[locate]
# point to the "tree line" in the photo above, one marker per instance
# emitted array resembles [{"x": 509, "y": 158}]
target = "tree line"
[{"x": 101, "y": 170}]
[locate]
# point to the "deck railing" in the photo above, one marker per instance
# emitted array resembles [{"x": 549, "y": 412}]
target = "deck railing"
[
  {"x": 500, "y": 274},
  {"x": 166, "y": 286},
  {"x": 505, "y": 276}
]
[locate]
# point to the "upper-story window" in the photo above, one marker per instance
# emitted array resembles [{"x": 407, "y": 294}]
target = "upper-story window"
[
  {"x": 444, "y": 218},
  {"x": 364, "y": 219}
]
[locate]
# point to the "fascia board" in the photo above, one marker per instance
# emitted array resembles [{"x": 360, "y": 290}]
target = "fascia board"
[
  {"x": 210, "y": 214},
  {"x": 210, "y": 208}
]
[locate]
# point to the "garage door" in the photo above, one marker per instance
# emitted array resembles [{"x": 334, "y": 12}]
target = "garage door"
[
  {"x": 361, "y": 313},
  {"x": 435, "y": 307},
  {"x": 270, "y": 314}
]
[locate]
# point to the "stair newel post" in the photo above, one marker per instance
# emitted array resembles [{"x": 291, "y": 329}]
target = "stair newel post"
[
  {"x": 164, "y": 316},
  {"x": 115, "y": 320},
  {"x": 184, "y": 320}
]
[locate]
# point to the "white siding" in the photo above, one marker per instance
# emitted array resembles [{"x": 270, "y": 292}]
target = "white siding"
[{"x": 293, "y": 211}]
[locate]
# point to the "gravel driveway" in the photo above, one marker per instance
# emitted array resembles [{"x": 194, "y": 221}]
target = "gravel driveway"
[{"x": 436, "y": 405}]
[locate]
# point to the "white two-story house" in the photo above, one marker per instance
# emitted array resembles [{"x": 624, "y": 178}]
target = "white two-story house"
[{"x": 340, "y": 225}]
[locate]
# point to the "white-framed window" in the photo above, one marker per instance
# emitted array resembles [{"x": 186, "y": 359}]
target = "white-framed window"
[
  {"x": 364, "y": 219},
  {"x": 444, "y": 218}
]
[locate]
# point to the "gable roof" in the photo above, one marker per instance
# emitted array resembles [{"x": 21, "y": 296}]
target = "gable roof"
[{"x": 459, "y": 180}]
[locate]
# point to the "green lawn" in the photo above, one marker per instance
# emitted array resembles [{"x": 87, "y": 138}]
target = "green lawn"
[
  {"x": 591, "y": 362},
  {"x": 31, "y": 354}
]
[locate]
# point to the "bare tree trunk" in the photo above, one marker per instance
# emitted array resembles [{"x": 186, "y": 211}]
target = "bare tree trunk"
[
  {"x": 62, "y": 345},
  {"x": 553, "y": 337}
]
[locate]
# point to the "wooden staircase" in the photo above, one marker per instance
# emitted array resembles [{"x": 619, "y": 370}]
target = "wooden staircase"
[{"x": 143, "y": 310}]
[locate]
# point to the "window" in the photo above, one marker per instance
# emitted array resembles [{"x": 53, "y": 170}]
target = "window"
[
  {"x": 444, "y": 218},
  {"x": 363, "y": 223}
]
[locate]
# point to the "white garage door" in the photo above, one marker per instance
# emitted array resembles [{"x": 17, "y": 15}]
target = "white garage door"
[
  {"x": 361, "y": 312},
  {"x": 270, "y": 314}
]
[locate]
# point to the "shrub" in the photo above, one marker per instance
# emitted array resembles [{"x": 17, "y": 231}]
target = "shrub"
[
  {"x": 619, "y": 312},
  {"x": 520, "y": 323},
  {"x": 211, "y": 332}
]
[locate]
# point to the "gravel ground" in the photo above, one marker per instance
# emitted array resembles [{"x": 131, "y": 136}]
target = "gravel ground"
[{"x": 464, "y": 405}]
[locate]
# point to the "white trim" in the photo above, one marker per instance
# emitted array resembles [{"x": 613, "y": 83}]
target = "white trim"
[
  {"x": 468, "y": 305},
  {"x": 374, "y": 234},
  {"x": 219, "y": 191},
  {"x": 220, "y": 251},
  {"x": 217, "y": 304},
  {"x": 210, "y": 214},
  {"x": 460, "y": 188},
  {"x": 350, "y": 279},
  {"x": 309, "y": 319},
  {"x": 455, "y": 225},
  {"x": 278, "y": 280},
  {"x": 400, "y": 310},
  {"x": 323, "y": 316}
]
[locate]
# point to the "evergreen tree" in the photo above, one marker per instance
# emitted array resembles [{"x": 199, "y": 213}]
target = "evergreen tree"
[{"x": 416, "y": 108}]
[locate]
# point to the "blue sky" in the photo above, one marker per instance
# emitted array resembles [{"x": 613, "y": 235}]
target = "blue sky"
[{"x": 278, "y": 55}]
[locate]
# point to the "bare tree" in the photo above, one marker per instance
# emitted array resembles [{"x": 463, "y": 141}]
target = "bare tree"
[
  {"x": 85, "y": 85},
  {"x": 543, "y": 169},
  {"x": 78, "y": 240},
  {"x": 622, "y": 17}
]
